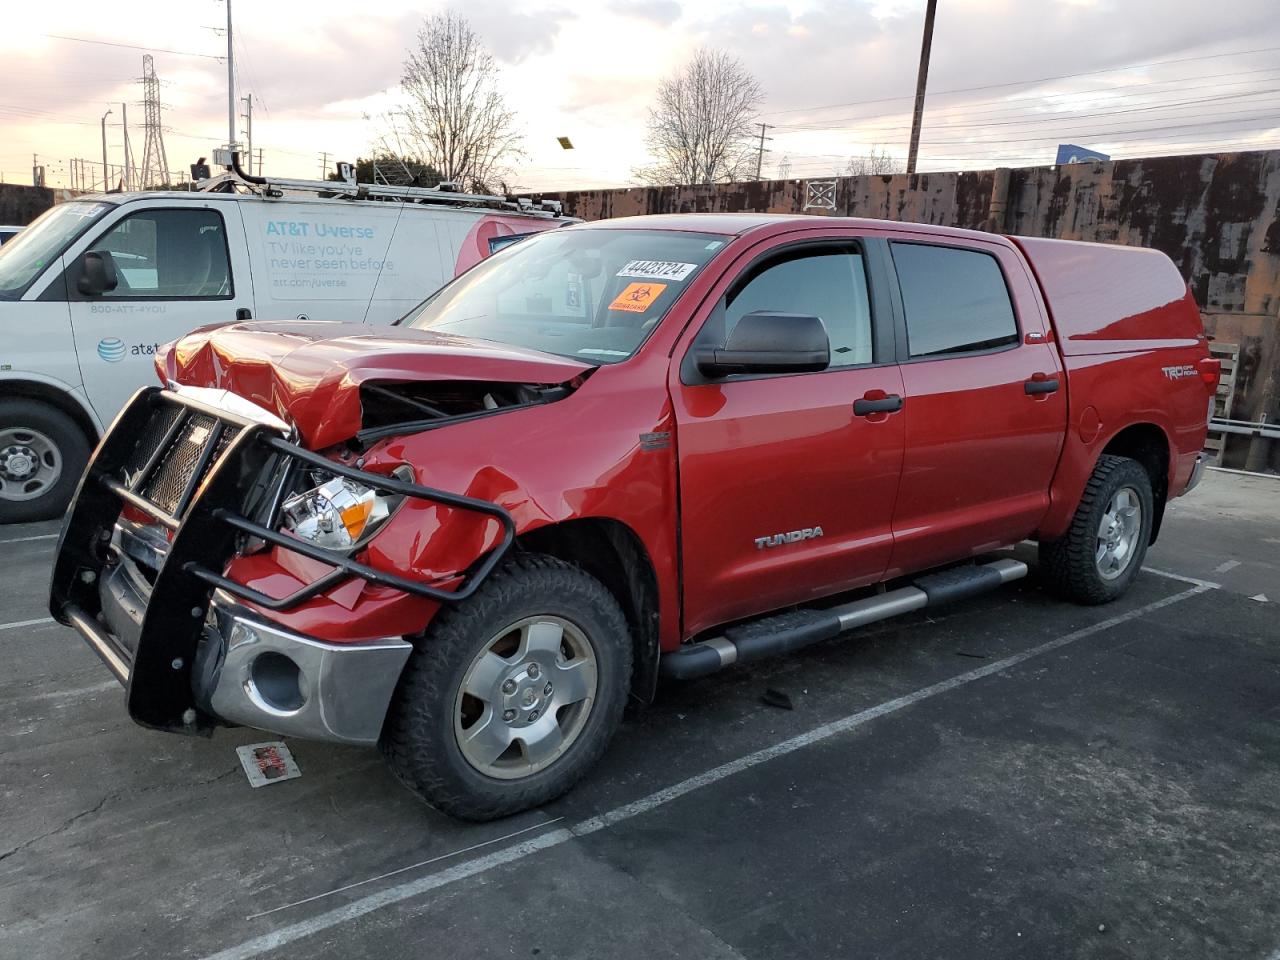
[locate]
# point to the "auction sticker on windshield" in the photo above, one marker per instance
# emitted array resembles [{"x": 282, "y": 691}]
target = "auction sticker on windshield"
[
  {"x": 657, "y": 269},
  {"x": 637, "y": 297}
]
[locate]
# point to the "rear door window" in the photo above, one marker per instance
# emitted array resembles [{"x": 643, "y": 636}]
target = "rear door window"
[{"x": 955, "y": 300}]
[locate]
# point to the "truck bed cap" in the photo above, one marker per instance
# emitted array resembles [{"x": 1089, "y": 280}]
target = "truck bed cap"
[{"x": 1108, "y": 298}]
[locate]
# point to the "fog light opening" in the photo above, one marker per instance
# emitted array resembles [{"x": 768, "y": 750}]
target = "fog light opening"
[{"x": 277, "y": 682}]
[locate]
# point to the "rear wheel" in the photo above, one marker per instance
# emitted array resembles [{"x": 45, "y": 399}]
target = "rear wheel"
[
  {"x": 514, "y": 694},
  {"x": 1101, "y": 552},
  {"x": 42, "y": 454}
]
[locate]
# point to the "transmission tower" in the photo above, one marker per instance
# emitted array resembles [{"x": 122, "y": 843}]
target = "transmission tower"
[{"x": 155, "y": 165}]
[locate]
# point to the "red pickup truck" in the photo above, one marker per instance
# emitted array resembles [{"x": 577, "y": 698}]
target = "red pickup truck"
[{"x": 621, "y": 450}]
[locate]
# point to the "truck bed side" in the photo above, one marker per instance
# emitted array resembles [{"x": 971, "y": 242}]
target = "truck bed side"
[{"x": 1131, "y": 338}]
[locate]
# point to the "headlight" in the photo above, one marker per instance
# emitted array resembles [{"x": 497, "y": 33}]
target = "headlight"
[{"x": 337, "y": 513}]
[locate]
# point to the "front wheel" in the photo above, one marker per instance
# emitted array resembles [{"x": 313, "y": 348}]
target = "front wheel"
[
  {"x": 511, "y": 696},
  {"x": 1102, "y": 550},
  {"x": 42, "y": 454}
]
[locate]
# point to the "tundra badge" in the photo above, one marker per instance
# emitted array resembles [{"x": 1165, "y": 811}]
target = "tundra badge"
[{"x": 795, "y": 536}]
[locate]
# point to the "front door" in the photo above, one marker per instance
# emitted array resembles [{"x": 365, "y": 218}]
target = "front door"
[
  {"x": 786, "y": 493},
  {"x": 177, "y": 268}
]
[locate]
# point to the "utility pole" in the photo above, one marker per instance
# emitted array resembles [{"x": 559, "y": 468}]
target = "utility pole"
[
  {"x": 128, "y": 150},
  {"x": 247, "y": 100},
  {"x": 917, "y": 117},
  {"x": 324, "y": 165},
  {"x": 760, "y": 153},
  {"x": 231, "y": 84},
  {"x": 105, "y": 175}
]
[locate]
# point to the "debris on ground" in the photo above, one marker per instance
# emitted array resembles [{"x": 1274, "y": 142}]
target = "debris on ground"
[
  {"x": 268, "y": 762},
  {"x": 776, "y": 698}
]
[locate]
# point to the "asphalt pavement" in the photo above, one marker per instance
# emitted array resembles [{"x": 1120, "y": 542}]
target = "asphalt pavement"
[{"x": 1009, "y": 776}]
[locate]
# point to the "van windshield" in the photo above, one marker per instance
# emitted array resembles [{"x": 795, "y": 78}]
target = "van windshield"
[
  {"x": 26, "y": 255},
  {"x": 590, "y": 294}
]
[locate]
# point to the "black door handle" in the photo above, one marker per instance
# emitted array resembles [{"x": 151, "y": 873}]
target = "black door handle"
[
  {"x": 890, "y": 404},
  {"x": 1041, "y": 386},
  {"x": 244, "y": 313}
]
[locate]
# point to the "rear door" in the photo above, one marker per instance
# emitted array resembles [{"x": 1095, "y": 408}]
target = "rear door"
[
  {"x": 985, "y": 397},
  {"x": 785, "y": 492},
  {"x": 179, "y": 266}
]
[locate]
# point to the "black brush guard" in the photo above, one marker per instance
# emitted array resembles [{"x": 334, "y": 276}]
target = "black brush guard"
[{"x": 199, "y": 494}]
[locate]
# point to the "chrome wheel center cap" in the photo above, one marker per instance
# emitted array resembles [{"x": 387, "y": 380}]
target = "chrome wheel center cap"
[
  {"x": 19, "y": 463},
  {"x": 524, "y": 694}
]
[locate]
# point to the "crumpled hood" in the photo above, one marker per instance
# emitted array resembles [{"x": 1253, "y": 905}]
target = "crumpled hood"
[{"x": 309, "y": 372}]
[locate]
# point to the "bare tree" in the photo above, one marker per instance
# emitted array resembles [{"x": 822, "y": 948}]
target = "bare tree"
[
  {"x": 700, "y": 126},
  {"x": 455, "y": 118},
  {"x": 875, "y": 163}
]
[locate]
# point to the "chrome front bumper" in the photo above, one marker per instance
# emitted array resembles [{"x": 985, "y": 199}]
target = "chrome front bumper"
[{"x": 251, "y": 672}]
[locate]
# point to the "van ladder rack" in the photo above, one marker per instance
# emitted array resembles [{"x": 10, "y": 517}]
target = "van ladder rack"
[{"x": 274, "y": 187}]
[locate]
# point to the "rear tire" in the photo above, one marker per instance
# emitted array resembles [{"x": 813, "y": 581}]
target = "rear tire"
[
  {"x": 1097, "y": 558},
  {"x": 540, "y": 641},
  {"x": 42, "y": 455}
]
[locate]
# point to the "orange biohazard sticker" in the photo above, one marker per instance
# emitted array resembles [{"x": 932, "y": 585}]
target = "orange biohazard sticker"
[{"x": 637, "y": 297}]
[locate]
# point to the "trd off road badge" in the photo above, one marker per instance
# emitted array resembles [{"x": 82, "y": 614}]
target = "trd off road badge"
[
  {"x": 795, "y": 536},
  {"x": 1180, "y": 371}
]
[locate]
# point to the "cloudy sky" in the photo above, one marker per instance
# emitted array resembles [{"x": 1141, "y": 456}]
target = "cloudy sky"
[{"x": 1010, "y": 78}]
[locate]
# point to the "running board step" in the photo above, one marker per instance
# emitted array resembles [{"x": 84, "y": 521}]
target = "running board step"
[{"x": 794, "y": 629}]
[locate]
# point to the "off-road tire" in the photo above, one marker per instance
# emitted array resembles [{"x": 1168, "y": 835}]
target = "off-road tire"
[
  {"x": 1067, "y": 565},
  {"x": 418, "y": 738},
  {"x": 72, "y": 445}
]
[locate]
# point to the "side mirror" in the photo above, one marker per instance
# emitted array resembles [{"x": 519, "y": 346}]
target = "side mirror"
[
  {"x": 769, "y": 342},
  {"x": 98, "y": 274}
]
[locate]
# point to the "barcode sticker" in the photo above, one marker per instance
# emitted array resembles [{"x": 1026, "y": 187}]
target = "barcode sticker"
[{"x": 657, "y": 269}]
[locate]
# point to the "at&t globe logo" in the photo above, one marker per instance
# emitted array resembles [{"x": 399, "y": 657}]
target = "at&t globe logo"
[{"x": 111, "y": 349}]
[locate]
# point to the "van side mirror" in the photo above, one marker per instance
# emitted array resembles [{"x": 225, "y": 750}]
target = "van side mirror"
[
  {"x": 769, "y": 342},
  {"x": 98, "y": 274}
]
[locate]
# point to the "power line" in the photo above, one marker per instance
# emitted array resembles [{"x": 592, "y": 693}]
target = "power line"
[
  {"x": 1068, "y": 118},
  {"x": 1006, "y": 106},
  {"x": 1020, "y": 83},
  {"x": 133, "y": 46}
]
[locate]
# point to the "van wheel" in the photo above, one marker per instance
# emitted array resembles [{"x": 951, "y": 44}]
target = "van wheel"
[
  {"x": 42, "y": 454},
  {"x": 1101, "y": 552},
  {"x": 513, "y": 695}
]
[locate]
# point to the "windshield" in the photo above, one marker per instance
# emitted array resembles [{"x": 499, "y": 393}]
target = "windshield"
[
  {"x": 593, "y": 295},
  {"x": 26, "y": 255}
]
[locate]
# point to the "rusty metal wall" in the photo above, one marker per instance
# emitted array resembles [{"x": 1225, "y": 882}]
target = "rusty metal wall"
[
  {"x": 20, "y": 204},
  {"x": 1216, "y": 215}
]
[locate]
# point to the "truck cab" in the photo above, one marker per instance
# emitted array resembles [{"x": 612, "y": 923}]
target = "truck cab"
[{"x": 641, "y": 447}]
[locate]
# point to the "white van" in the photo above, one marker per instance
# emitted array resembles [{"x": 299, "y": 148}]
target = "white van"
[{"x": 94, "y": 286}]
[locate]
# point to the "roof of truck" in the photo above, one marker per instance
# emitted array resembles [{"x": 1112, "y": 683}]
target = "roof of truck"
[{"x": 738, "y": 224}]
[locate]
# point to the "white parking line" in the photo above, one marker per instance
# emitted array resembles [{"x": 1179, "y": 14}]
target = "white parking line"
[
  {"x": 1182, "y": 578},
  {"x": 43, "y": 536},
  {"x": 1227, "y": 566},
  {"x": 412, "y": 866},
  {"x": 414, "y": 888},
  {"x": 26, "y": 623}
]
